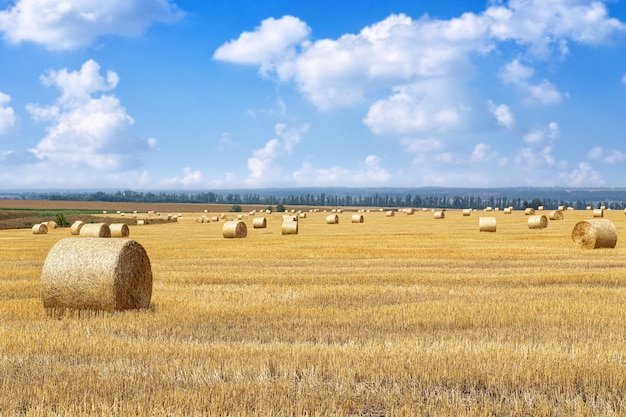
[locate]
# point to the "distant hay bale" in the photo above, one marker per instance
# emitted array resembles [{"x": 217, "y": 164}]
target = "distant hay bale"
[
  {"x": 588, "y": 208},
  {"x": 594, "y": 234},
  {"x": 75, "y": 228},
  {"x": 141, "y": 222},
  {"x": 95, "y": 230},
  {"x": 390, "y": 213},
  {"x": 487, "y": 224},
  {"x": 215, "y": 219},
  {"x": 302, "y": 215},
  {"x": 40, "y": 229},
  {"x": 51, "y": 225},
  {"x": 537, "y": 222},
  {"x": 234, "y": 229},
  {"x": 488, "y": 208},
  {"x": 561, "y": 208},
  {"x": 332, "y": 219},
  {"x": 410, "y": 211},
  {"x": 540, "y": 208},
  {"x": 96, "y": 274},
  {"x": 259, "y": 223},
  {"x": 598, "y": 212},
  {"x": 529, "y": 211},
  {"x": 119, "y": 230},
  {"x": 507, "y": 210},
  {"x": 467, "y": 212},
  {"x": 357, "y": 218},
  {"x": 439, "y": 214},
  {"x": 556, "y": 215},
  {"x": 289, "y": 227}
]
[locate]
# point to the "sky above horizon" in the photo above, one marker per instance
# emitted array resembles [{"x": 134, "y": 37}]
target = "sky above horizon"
[{"x": 227, "y": 94}]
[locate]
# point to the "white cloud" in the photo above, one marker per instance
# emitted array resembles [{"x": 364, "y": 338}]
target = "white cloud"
[
  {"x": 421, "y": 146},
  {"x": 369, "y": 173},
  {"x": 502, "y": 113},
  {"x": 70, "y": 24},
  {"x": 583, "y": 175},
  {"x": 624, "y": 79},
  {"x": 482, "y": 153},
  {"x": 83, "y": 130},
  {"x": 189, "y": 179},
  {"x": 519, "y": 75},
  {"x": 612, "y": 156},
  {"x": 7, "y": 114}
]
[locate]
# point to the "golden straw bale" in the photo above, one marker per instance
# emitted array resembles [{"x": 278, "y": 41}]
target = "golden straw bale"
[
  {"x": 75, "y": 228},
  {"x": 357, "y": 218},
  {"x": 556, "y": 215},
  {"x": 598, "y": 212},
  {"x": 439, "y": 214},
  {"x": 95, "y": 230},
  {"x": 410, "y": 211},
  {"x": 390, "y": 213},
  {"x": 289, "y": 227},
  {"x": 467, "y": 212},
  {"x": 529, "y": 211},
  {"x": 141, "y": 222},
  {"x": 119, "y": 230},
  {"x": 51, "y": 225},
  {"x": 302, "y": 215},
  {"x": 40, "y": 229},
  {"x": 234, "y": 229},
  {"x": 96, "y": 274},
  {"x": 332, "y": 219},
  {"x": 259, "y": 223},
  {"x": 487, "y": 224},
  {"x": 594, "y": 233},
  {"x": 290, "y": 217},
  {"x": 507, "y": 210},
  {"x": 537, "y": 222}
]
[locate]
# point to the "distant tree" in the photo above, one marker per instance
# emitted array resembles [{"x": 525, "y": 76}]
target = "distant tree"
[
  {"x": 280, "y": 208},
  {"x": 61, "y": 220},
  {"x": 235, "y": 208}
]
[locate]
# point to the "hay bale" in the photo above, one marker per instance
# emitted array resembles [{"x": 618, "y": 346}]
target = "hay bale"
[
  {"x": 439, "y": 214},
  {"x": 259, "y": 223},
  {"x": 119, "y": 230},
  {"x": 529, "y": 211},
  {"x": 390, "y": 213},
  {"x": 75, "y": 228},
  {"x": 410, "y": 211},
  {"x": 598, "y": 212},
  {"x": 540, "y": 208},
  {"x": 40, "y": 229},
  {"x": 357, "y": 218},
  {"x": 302, "y": 215},
  {"x": 234, "y": 229},
  {"x": 487, "y": 224},
  {"x": 290, "y": 217},
  {"x": 537, "y": 222},
  {"x": 594, "y": 234},
  {"x": 96, "y": 274},
  {"x": 556, "y": 215},
  {"x": 51, "y": 225},
  {"x": 332, "y": 219},
  {"x": 95, "y": 230},
  {"x": 508, "y": 210},
  {"x": 141, "y": 222},
  {"x": 289, "y": 227},
  {"x": 467, "y": 212}
]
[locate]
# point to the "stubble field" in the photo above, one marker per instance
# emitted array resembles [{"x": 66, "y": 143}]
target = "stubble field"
[{"x": 395, "y": 316}]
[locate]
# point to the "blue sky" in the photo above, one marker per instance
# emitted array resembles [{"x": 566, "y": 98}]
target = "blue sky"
[{"x": 226, "y": 94}]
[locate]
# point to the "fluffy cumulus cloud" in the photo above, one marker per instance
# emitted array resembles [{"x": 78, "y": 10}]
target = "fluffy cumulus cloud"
[
  {"x": 189, "y": 179},
  {"x": 502, "y": 113},
  {"x": 582, "y": 175},
  {"x": 87, "y": 128},
  {"x": 369, "y": 173},
  {"x": 611, "y": 156},
  {"x": 7, "y": 114},
  {"x": 519, "y": 75},
  {"x": 69, "y": 24},
  {"x": 538, "y": 147}
]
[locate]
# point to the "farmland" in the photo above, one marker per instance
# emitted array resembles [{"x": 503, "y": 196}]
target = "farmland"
[{"x": 403, "y": 315}]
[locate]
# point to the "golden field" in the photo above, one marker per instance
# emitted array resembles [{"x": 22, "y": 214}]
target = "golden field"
[{"x": 396, "y": 316}]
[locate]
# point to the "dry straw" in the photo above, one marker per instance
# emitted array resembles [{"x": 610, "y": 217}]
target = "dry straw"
[
  {"x": 508, "y": 210},
  {"x": 487, "y": 224},
  {"x": 529, "y": 211},
  {"x": 556, "y": 215},
  {"x": 96, "y": 274},
  {"x": 439, "y": 214},
  {"x": 259, "y": 223},
  {"x": 357, "y": 218},
  {"x": 290, "y": 217},
  {"x": 51, "y": 224},
  {"x": 119, "y": 230},
  {"x": 76, "y": 226},
  {"x": 302, "y": 215},
  {"x": 234, "y": 229},
  {"x": 332, "y": 219},
  {"x": 598, "y": 212},
  {"x": 289, "y": 227},
  {"x": 537, "y": 222},
  {"x": 467, "y": 212},
  {"x": 594, "y": 234},
  {"x": 390, "y": 213},
  {"x": 40, "y": 229},
  {"x": 95, "y": 230}
]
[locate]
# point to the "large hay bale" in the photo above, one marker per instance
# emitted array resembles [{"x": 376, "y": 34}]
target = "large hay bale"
[
  {"x": 289, "y": 227},
  {"x": 234, "y": 229},
  {"x": 439, "y": 214},
  {"x": 40, "y": 229},
  {"x": 332, "y": 219},
  {"x": 529, "y": 211},
  {"x": 556, "y": 215},
  {"x": 598, "y": 212},
  {"x": 467, "y": 212},
  {"x": 76, "y": 226},
  {"x": 96, "y": 274},
  {"x": 537, "y": 222},
  {"x": 487, "y": 224},
  {"x": 290, "y": 217},
  {"x": 259, "y": 223},
  {"x": 594, "y": 234},
  {"x": 95, "y": 230},
  {"x": 119, "y": 230},
  {"x": 357, "y": 218}
]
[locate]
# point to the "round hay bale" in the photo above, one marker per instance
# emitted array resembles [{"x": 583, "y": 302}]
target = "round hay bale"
[
  {"x": 598, "y": 212},
  {"x": 439, "y": 214},
  {"x": 40, "y": 229},
  {"x": 390, "y": 213},
  {"x": 259, "y": 223},
  {"x": 289, "y": 227},
  {"x": 234, "y": 229},
  {"x": 529, "y": 211},
  {"x": 95, "y": 230},
  {"x": 51, "y": 225},
  {"x": 290, "y": 218},
  {"x": 302, "y": 215},
  {"x": 119, "y": 230},
  {"x": 467, "y": 212},
  {"x": 75, "y": 228},
  {"x": 537, "y": 222},
  {"x": 487, "y": 224},
  {"x": 410, "y": 211},
  {"x": 556, "y": 215},
  {"x": 507, "y": 210},
  {"x": 96, "y": 274},
  {"x": 332, "y": 219},
  {"x": 540, "y": 208},
  {"x": 594, "y": 234},
  {"x": 357, "y": 218}
]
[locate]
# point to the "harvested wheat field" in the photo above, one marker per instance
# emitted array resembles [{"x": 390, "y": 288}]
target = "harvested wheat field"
[{"x": 400, "y": 316}]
